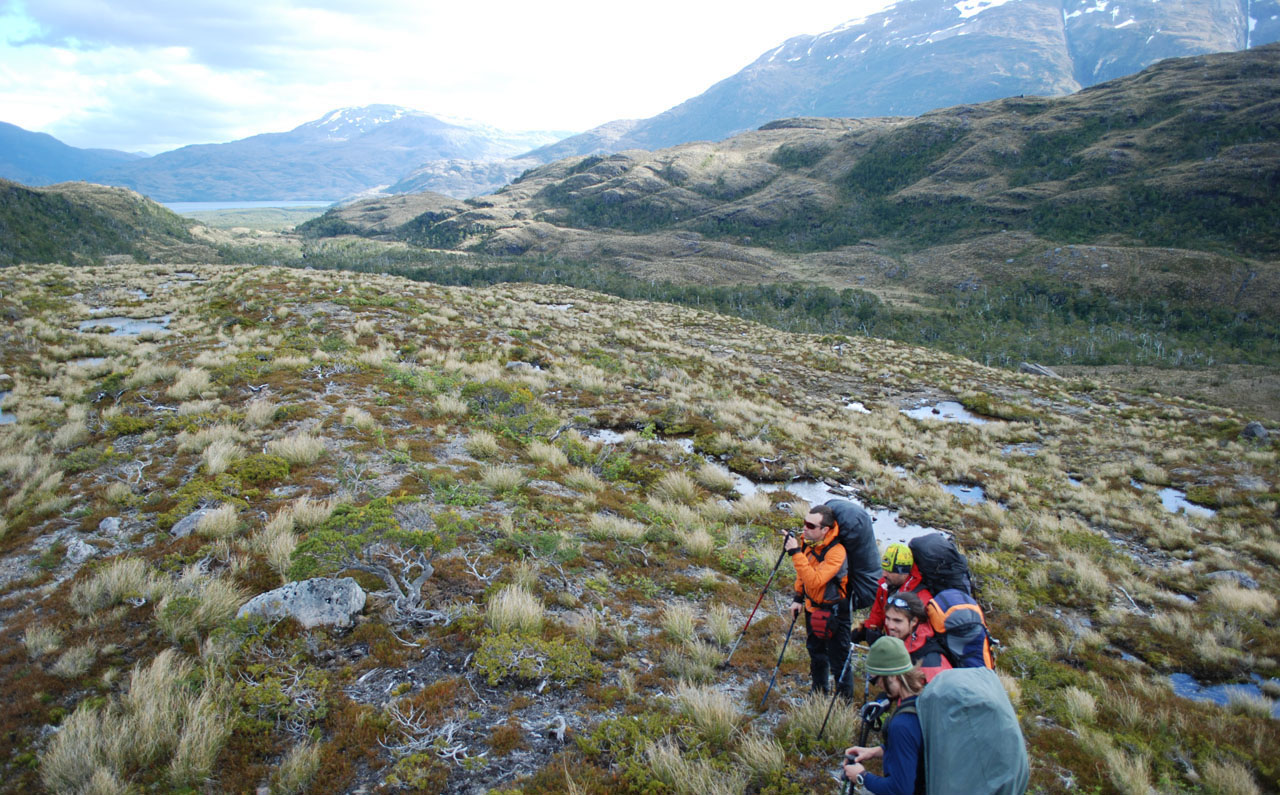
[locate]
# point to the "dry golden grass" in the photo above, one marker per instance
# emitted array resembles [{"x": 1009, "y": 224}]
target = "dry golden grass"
[
  {"x": 805, "y": 720},
  {"x": 483, "y": 444},
  {"x": 1233, "y": 599},
  {"x": 714, "y": 477},
  {"x": 259, "y": 413},
  {"x": 1226, "y": 776},
  {"x": 685, "y": 776},
  {"x": 220, "y": 455},
  {"x": 678, "y": 622},
  {"x": 1081, "y": 706},
  {"x": 697, "y": 542},
  {"x": 75, "y": 661},
  {"x": 763, "y": 757},
  {"x": 297, "y": 769},
  {"x": 450, "y": 406},
  {"x": 586, "y": 625},
  {"x": 112, "y": 583},
  {"x": 515, "y": 609},
  {"x": 547, "y": 454},
  {"x": 220, "y": 522},
  {"x": 301, "y": 448},
  {"x": 677, "y": 487},
  {"x": 206, "y": 437},
  {"x": 191, "y": 382},
  {"x": 720, "y": 625},
  {"x": 499, "y": 478},
  {"x": 41, "y": 640},
  {"x": 359, "y": 419},
  {"x": 710, "y": 711},
  {"x": 604, "y": 525},
  {"x": 584, "y": 480},
  {"x": 753, "y": 507},
  {"x": 308, "y": 513}
]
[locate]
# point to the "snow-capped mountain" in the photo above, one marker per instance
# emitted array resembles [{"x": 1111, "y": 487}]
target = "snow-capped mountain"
[
  {"x": 919, "y": 55},
  {"x": 344, "y": 152}
]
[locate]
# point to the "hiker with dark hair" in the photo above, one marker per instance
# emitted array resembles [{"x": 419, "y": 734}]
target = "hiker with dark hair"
[
  {"x": 900, "y": 575},
  {"x": 821, "y": 591},
  {"x": 906, "y": 620},
  {"x": 903, "y": 746}
]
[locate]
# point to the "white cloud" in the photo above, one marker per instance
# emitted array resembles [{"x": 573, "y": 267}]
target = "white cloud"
[{"x": 153, "y": 74}]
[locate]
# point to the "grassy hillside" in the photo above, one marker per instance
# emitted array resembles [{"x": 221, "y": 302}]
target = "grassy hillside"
[
  {"x": 1169, "y": 180},
  {"x": 79, "y": 223},
  {"x": 582, "y": 587}
]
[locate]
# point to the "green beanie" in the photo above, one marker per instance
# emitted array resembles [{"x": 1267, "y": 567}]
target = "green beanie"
[{"x": 888, "y": 656}]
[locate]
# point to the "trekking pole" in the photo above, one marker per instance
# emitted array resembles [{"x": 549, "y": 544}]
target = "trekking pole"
[
  {"x": 763, "y": 591},
  {"x": 779, "y": 665},
  {"x": 848, "y": 760},
  {"x": 848, "y": 658}
]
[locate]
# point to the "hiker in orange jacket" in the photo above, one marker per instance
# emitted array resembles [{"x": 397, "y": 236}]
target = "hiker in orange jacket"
[
  {"x": 821, "y": 591},
  {"x": 901, "y": 575}
]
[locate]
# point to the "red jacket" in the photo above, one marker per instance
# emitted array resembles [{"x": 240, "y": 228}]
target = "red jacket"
[
  {"x": 915, "y": 582},
  {"x": 924, "y": 649}
]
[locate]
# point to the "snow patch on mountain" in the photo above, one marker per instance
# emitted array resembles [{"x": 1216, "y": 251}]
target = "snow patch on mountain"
[{"x": 971, "y": 8}]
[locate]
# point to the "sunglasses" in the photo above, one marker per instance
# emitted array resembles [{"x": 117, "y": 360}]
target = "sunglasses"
[
  {"x": 898, "y": 602},
  {"x": 812, "y": 526}
]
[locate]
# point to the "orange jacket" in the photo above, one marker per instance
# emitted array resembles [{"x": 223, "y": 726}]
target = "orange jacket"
[{"x": 822, "y": 572}]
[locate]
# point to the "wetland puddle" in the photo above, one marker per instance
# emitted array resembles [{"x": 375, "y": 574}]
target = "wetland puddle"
[
  {"x": 1186, "y": 686},
  {"x": 946, "y": 411},
  {"x": 5, "y": 417},
  {"x": 127, "y": 326}
]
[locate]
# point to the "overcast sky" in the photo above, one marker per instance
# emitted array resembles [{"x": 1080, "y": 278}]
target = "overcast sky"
[{"x": 152, "y": 75}]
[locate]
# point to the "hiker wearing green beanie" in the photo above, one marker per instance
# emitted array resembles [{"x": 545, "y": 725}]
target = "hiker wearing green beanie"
[{"x": 890, "y": 664}]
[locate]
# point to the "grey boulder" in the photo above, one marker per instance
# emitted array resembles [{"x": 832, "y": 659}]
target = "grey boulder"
[
  {"x": 320, "y": 601},
  {"x": 187, "y": 524}
]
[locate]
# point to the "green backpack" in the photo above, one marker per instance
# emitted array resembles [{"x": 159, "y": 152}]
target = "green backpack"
[{"x": 973, "y": 744}]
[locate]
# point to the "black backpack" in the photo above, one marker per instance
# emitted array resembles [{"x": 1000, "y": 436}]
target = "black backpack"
[
  {"x": 861, "y": 551},
  {"x": 940, "y": 563}
]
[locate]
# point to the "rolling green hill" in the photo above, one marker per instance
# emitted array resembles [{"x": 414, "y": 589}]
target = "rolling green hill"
[{"x": 79, "y": 223}]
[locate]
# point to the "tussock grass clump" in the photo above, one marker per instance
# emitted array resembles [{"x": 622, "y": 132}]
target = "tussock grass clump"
[
  {"x": 220, "y": 522},
  {"x": 500, "y": 479},
  {"x": 583, "y": 479},
  {"x": 197, "y": 606},
  {"x": 1229, "y": 777},
  {"x": 41, "y": 640},
  {"x": 676, "y": 487},
  {"x": 482, "y": 444},
  {"x": 678, "y": 622},
  {"x": 112, "y": 583},
  {"x": 609, "y": 526},
  {"x": 1081, "y": 707},
  {"x": 69, "y": 434},
  {"x": 711, "y": 711},
  {"x": 118, "y": 493},
  {"x": 586, "y": 625},
  {"x": 301, "y": 448},
  {"x": 297, "y": 770},
  {"x": 148, "y": 373},
  {"x": 753, "y": 507},
  {"x": 714, "y": 477},
  {"x": 359, "y": 419},
  {"x": 220, "y": 455},
  {"x": 193, "y": 407},
  {"x": 75, "y": 661},
  {"x": 450, "y": 406},
  {"x": 1242, "y": 601},
  {"x": 515, "y": 609},
  {"x": 720, "y": 625},
  {"x": 259, "y": 413},
  {"x": 763, "y": 756},
  {"x": 547, "y": 454},
  {"x": 158, "y": 719},
  {"x": 1252, "y": 704},
  {"x": 698, "y": 542},
  {"x": 805, "y": 719},
  {"x": 205, "y": 437},
  {"x": 686, "y": 776},
  {"x": 308, "y": 513},
  {"x": 191, "y": 382}
]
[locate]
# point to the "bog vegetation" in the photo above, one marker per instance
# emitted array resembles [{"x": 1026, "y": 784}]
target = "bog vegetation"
[{"x": 548, "y": 604}]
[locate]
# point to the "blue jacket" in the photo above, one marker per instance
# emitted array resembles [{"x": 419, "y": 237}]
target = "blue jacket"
[{"x": 903, "y": 756}]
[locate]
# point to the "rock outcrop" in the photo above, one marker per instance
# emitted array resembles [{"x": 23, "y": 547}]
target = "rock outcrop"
[{"x": 322, "y": 601}]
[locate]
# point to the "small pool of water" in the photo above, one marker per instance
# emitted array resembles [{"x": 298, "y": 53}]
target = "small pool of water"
[
  {"x": 127, "y": 326},
  {"x": 5, "y": 417},
  {"x": 946, "y": 411},
  {"x": 558, "y": 307},
  {"x": 966, "y": 493},
  {"x": 1186, "y": 686},
  {"x": 87, "y": 361},
  {"x": 856, "y": 406},
  {"x": 1175, "y": 501},
  {"x": 1075, "y": 481},
  {"x": 1026, "y": 448}
]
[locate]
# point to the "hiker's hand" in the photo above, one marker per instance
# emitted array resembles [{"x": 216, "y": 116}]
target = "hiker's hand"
[
  {"x": 796, "y": 607},
  {"x": 872, "y": 710},
  {"x": 852, "y": 772},
  {"x": 860, "y": 754},
  {"x": 791, "y": 544}
]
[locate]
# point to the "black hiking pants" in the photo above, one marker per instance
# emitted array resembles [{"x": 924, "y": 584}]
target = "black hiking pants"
[{"x": 826, "y": 656}]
